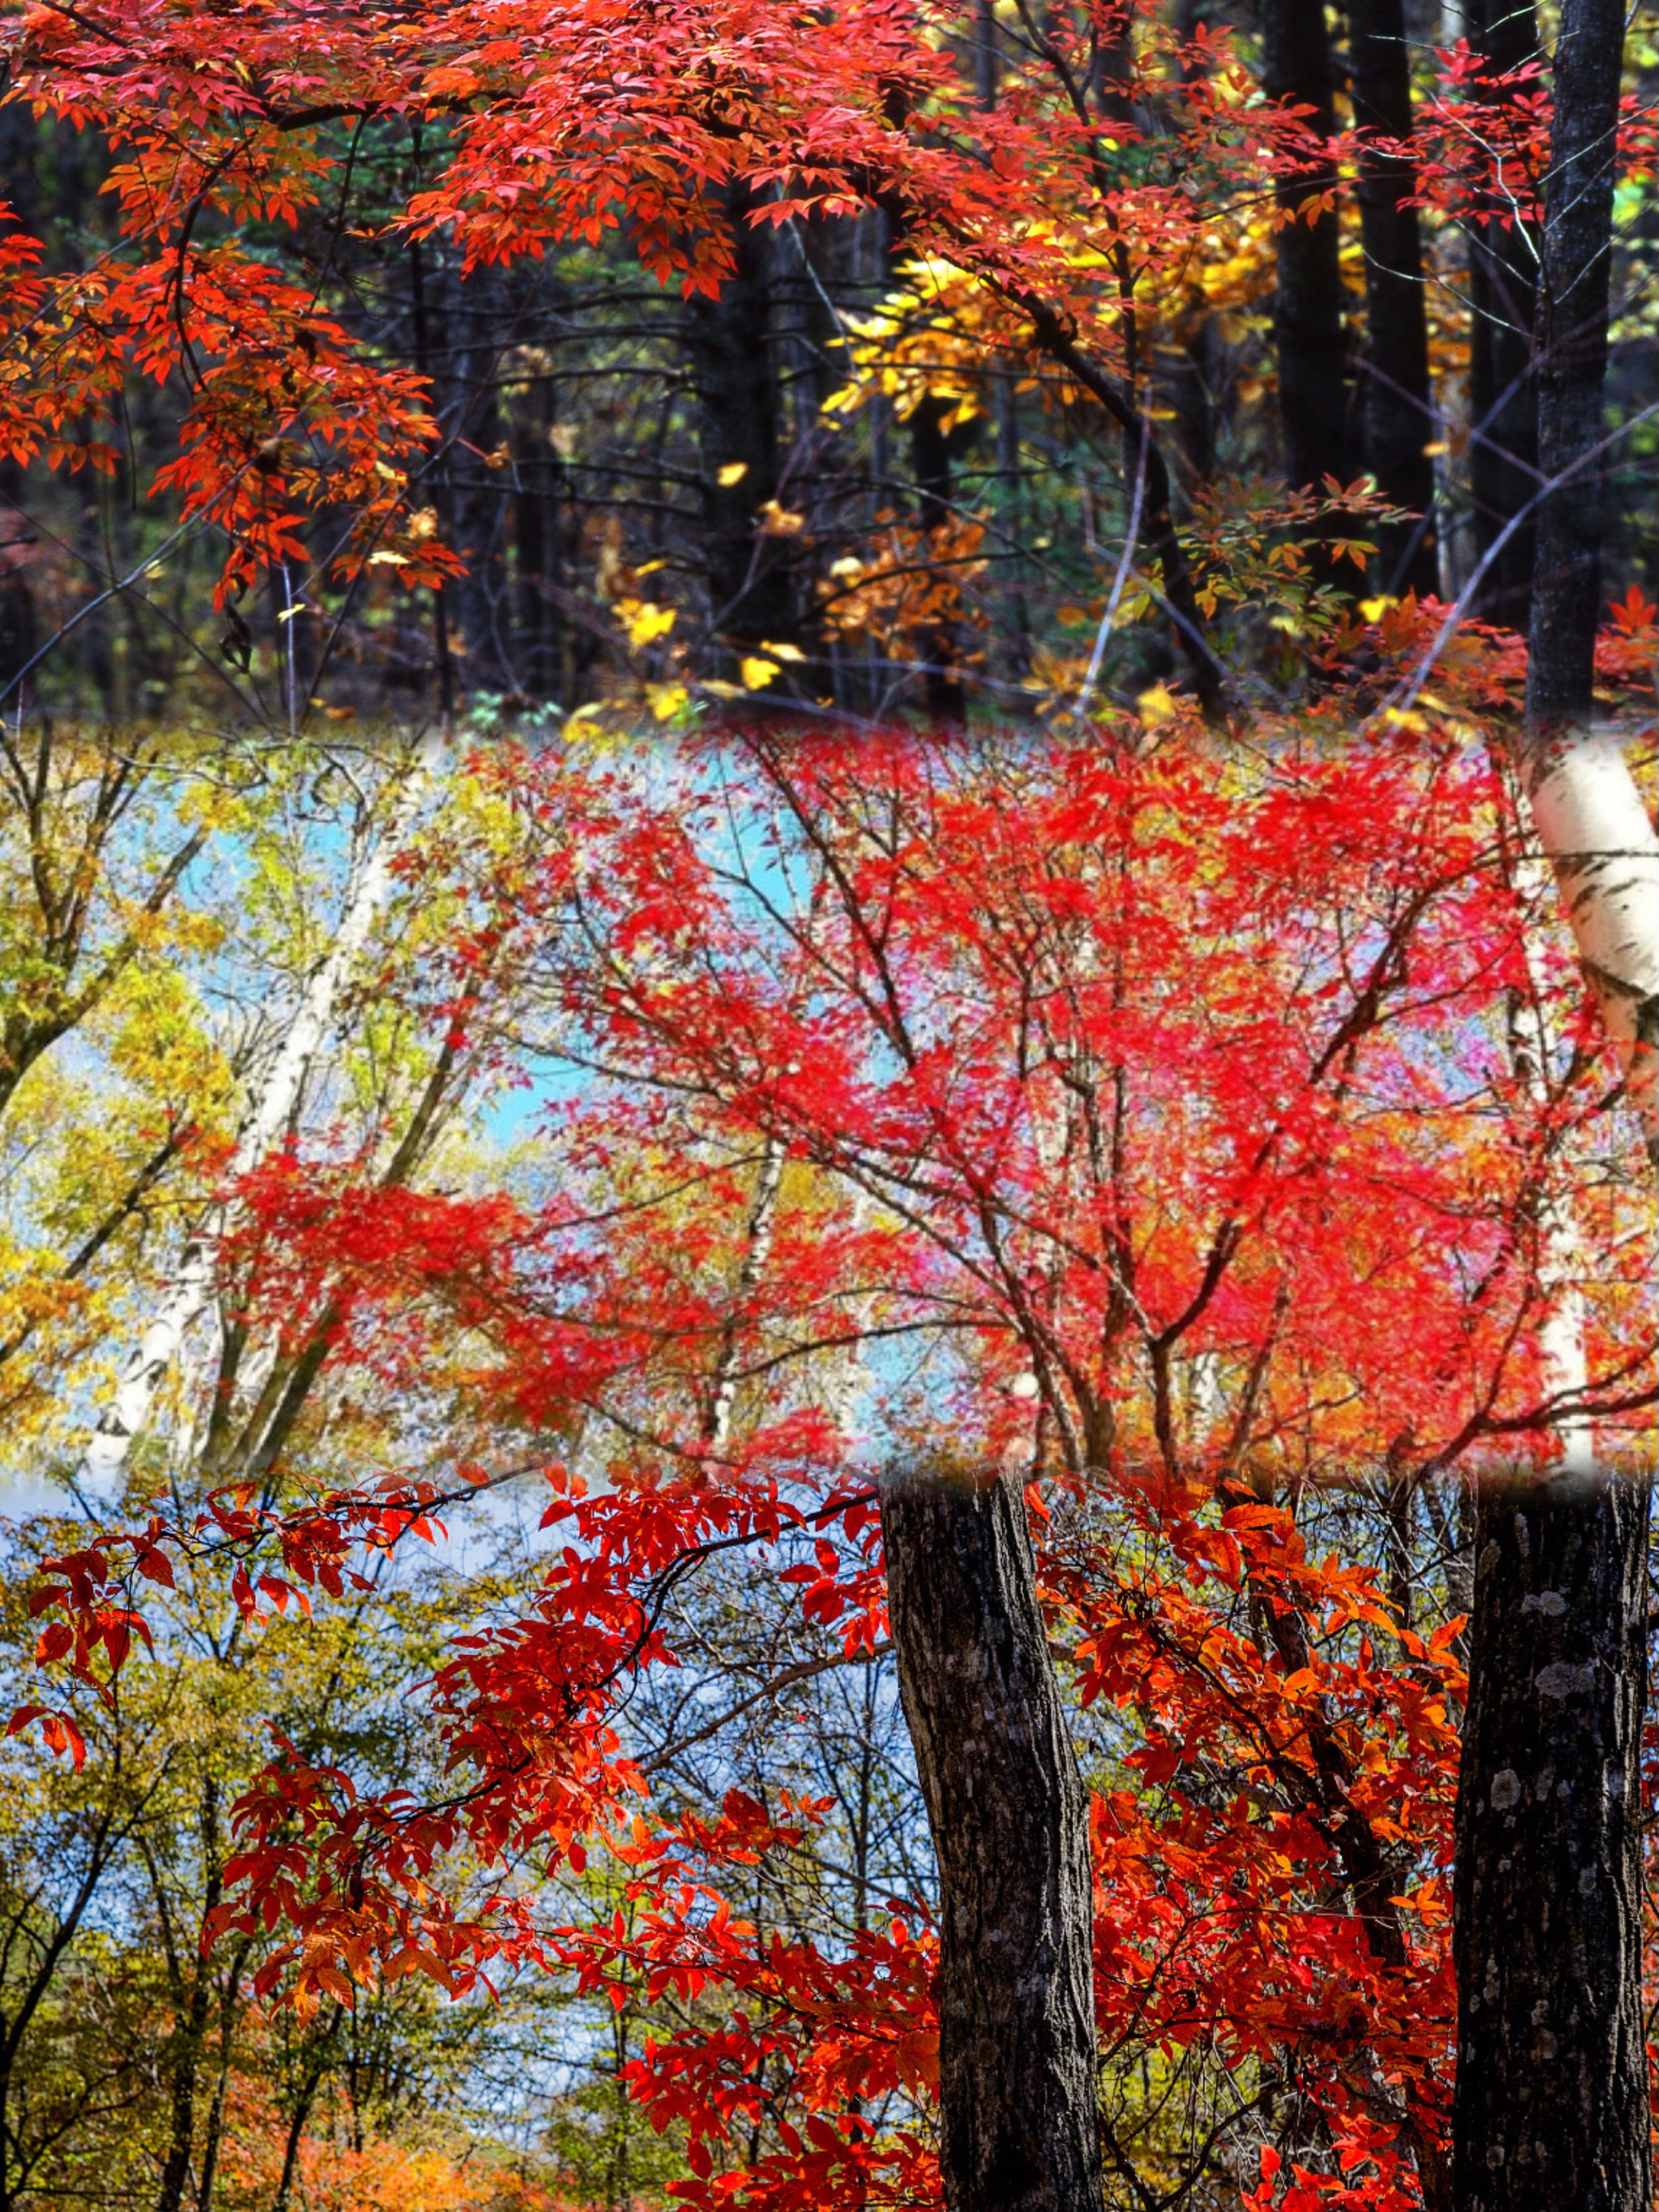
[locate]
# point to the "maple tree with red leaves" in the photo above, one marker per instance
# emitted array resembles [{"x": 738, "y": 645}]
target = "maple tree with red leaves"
[
  {"x": 1057, "y": 1222},
  {"x": 1159, "y": 1106}
]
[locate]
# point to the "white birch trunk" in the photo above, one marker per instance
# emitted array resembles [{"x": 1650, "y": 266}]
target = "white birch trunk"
[
  {"x": 757, "y": 1250},
  {"x": 1594, "y": 827},
  {"x": 1563, "y": 1360},
  {"x": 848, "y": 1378},
  {"x": 129, "y": 1409}
]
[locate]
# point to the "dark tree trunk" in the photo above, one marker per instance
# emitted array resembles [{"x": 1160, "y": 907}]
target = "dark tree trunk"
[
  {"x": 1195, "y": 370},
  {"x": 1398, "y": 414},
  {"x": 537, "y": 546},
  {"x": 930, "y": 467},
  {"x": 1571, "y": 327},
  {"x": 1309, "y": 341},
  {"x": 1503, "y": 407},
  {"x": 1018, "y": 2125},
  {"x": 734, "y": 376},
  {"x": 1193, "y": 374},
  {"x": 20, "y": 636},
  {"x": 213, "y": 2137},
  {"x": 421, "y": 342},
  {"x": 479, "y": 314},
  {"x": 987, "y": 69},
  {"x": 194, "y": 2008},
  {"x": 1552, "y": 2098},
  {"x": 175, "y": 2168},
  {"x": 1015, "y": 630}
]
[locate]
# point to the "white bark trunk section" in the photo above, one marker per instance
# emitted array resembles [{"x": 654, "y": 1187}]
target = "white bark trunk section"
[
  {"x": 1592, "y": 824},
  {"x": 847, "y": 1380},
  {"x": 757, "y": 1250},
  {"x": 1563, "y": 1360},
  {"x": 129, "y": 1412}
]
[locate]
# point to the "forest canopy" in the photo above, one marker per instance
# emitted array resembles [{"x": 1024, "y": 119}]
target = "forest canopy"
[
  {"x": 458, "y": 1391},
  {"x": 828, "y": 1067}
]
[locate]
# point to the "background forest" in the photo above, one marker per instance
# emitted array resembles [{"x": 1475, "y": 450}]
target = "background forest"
[
  {"x": 843, "y": 477},
  {"x": 472, "y": 1197},
  {"x": 772, "y": 781}
]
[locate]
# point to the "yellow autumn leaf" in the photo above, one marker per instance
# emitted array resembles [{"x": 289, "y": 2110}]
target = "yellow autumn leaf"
[
  {"x": 755, "y": 673},
  {"x": 666, "y": 699},
  {"x": 1156, "y": 705},
  {"x": 782, "y": 652},
  {"x": 644, "y": 620},
  {"x": 733, "y": 472}
]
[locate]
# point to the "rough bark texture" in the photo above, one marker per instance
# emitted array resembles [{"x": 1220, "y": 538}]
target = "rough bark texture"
[
  {"x": 1019, "y": 2131},
  {"x": 1572, "y": 360},
  {"x": 539, "y": 494},
  {"x": 930, "y": 469},
  {"x": 477, "y": 320},
  {"x": 1398, "y": 414},
  {"x": 419, "y": 325},
  {"x": 734, "y": 374},
  {"x": 1551, "y": 2100},
  {"x": 1310, "y": 340},
  {"x": 1503, "y": 402}
]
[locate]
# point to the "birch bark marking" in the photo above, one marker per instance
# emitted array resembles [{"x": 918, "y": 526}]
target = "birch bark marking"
[
  {"x": 129, "y": 1409},
  {"x": 1589, "y": 816},
  {"x": 757, "y": 1250},
  {"x": 1563, "y": 1364},
  {"x": 1592, "y": 822},
  {"x": 1019, "y": 2126}
]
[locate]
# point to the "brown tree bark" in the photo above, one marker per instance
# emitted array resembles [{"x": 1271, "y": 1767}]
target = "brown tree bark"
[
  {"x": 1019, "y": 2131},
  {"x": 192, "y": 1988},
  {"x": 1503, "y": 277},
  {"x": 1552, "y": 2098},
  {"x": 477, "y": 321},
  {"x": 1398, "y": 415},
  {"x": 1309, "y": 341},
  {"x": 443, "y": 660},
  {"x": 539, "y": 500},
  {"x": 734, "y": 376},
  {"x": 930, "y": 469},
  {"x": 1571, "y": 333}
]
